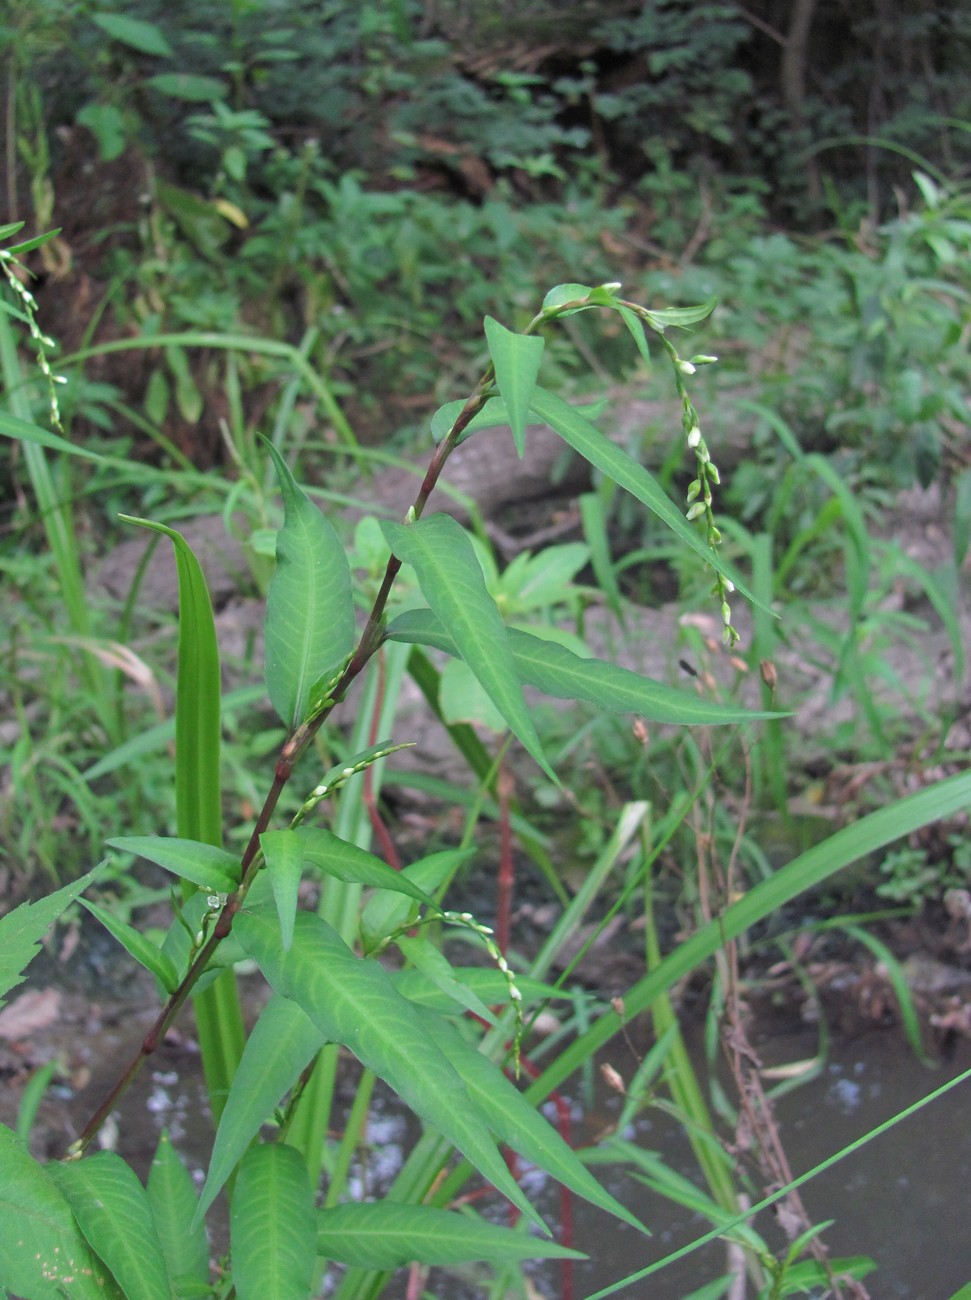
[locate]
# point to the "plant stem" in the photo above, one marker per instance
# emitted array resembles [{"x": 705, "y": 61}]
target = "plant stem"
[{"x": 290, "y": 754}]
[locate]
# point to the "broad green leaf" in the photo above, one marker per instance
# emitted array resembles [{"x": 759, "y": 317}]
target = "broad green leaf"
[
  {"x": 613, "y": 461},
  {"x": 113, "y": 1211},
  {"x": 272, "y": 1225},
  {"x": 452, "y": 583},
  {"x": 43, "y": 1255},
  {"x": 22, "y": 930},
  {"x": 493, "y": 415},
  {"x": 283, "y": 851},
  {"x": 557, "y": 671},
  {"x": 387, "y": 1235},
  {"x": 282, "y": 1044},
  {"x": 145, "y": 952},
  {"x": 12, "y": 427},
  {"x": 172, "y": 1196},
  {"x": 197, "y": 698},
  {"x": 310, "y": 610},
  {"x": 387, "y": 910},
  {"x": 516, "y": 359},
  {"x": 353, "y": 1001},
  {"x": 515, "y": 1121},
  {"x": 192, "y": 87},
  {"x": 205, "y": 865},
  {"x": 137, "y": 34},
  {"x": 424, "y": 956},
  {"x": 328, "y": 852}
]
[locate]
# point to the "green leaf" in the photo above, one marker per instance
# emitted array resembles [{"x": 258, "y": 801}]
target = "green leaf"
[
  {"x": 515, "y": 1121},
  {"x": 488, "y": 984},
  {"x": 145, "y": 952},
  {"x": 328, "y": 852},
  {"x": 144, "y": 37},
  {"x": 387, "y": 1235},
  {"x": 283, "y": 851},
  {"x": 22, "y": 930},
  {"x": 113, "y": 1212},
  {"x": 205, "y": 865},
  {"x": 493, "y": 415},
  {"x": 557, "y": 671},
  {"x": 191, "y": 87},
  {"x": 310, "y": 610},
  {"x": 452, "y": 583},
  {"x": 18, "y": 250},
  {"x": 424, "y": 956},
  {"x": 613, "y": 461},
  {"x": 681, "y": 317},
  {"x": 636, "y": 327},
  {"x": 516, "y": 359},
  {"x": 561, "y": 294},
  {"x": 272, "y": 1225},
  {"x": 283, "y": 1042},
  {"x": 107, "y": 124},
  {"x": 43, "y": 1255},
  {"x": 172, "y": 1196},
  {"x": 12, "y": 427},
  {"x": 197, "y": 699},
  {"x": 387, "y": 910},
  {"x": 354, "y": 1002}
]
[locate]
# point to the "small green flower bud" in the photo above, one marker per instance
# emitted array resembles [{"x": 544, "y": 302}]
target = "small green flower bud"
[
  {"x": 693, "y": 489},
  {"x": 713, "y": 473},
  {"x": 694, "y": 436},
  {"x": 726, "y": 613},
  {"x": 697, "y": 509},
  {"x": 685, "y": 367},
  {"x": 702, "y": 360}
]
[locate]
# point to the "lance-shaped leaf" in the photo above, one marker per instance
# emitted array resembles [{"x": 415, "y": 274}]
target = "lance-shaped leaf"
[
  {"x": 310, "y": 610},
  {"x": 354, "y": 1002},
  {"x": 433, "y": 963},
  {"x": 205, "y": 865},
  {"x": 557, "y": 671},
  {"x": 42, "y": 1251},
  {"x": 172, "y": 1196},
  {"x": 328, "y": 852},
  {"x": 492, "y": 415},
  {"x": 22, "y": 930},
  {"x": 451, "y": 580},
  {"x": 145, "y": 952},
  {"x": 387, "y": 911},
  {"x": 516, "y": 359},
  {"x": 387, "y": 1235},
  {"x": 283, "y": 851},
  {"x": 272, "y": 1227},
  {"x": 613, "y": 461},
  {"x": 113, "y": 1211},
  {"x": 197, "y": 698},
  {"x": 515, "y": 1121},
  {"x": 283, "y": 1043}
]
